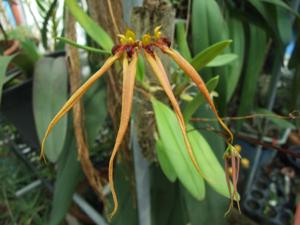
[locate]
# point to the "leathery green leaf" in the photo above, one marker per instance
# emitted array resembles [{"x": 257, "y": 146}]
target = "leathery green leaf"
[
  {"x": 68, "y": 175},
  {"x": 257, "y": 48},
  {"x": 236, "y": 32},
  {"x": 92, "y": 28},
  {"x": 283, "y": 5},
  {"x": 199, "y": 99},
  {"x": 181, "y": 40},
  {"x": 172, "y": 140},
  {"x": 208, "y": 162},
  {"x": 50, "y": 91},
  {"x": 164, "y": 162},
  {"x": 175, "y": 150},
  {"x": 208, "y": 54},
  {"x": 222, "y": 60}
]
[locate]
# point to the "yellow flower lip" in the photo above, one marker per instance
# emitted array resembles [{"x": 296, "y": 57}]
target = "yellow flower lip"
[
  {"x": 129, "y": 38},
  {"x": 129, "y": 42}
]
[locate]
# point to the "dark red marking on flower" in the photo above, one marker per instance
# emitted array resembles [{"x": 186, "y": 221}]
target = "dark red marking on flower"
[
  {"x": 149, "y": 49},
  {"x": 165, "y": 41},
  {"x": 115, "y": 49}
]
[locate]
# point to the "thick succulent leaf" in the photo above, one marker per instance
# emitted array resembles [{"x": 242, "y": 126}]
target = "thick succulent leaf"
[
  {"x": 90, "y": 26},
  {"x": 208, "y": 54},
  {"x": 95, "y": 110},
  {"x": 127, "y": 211},
  {"x": 254, "y": 62},
  {"x": 199, "y": 99},
  {"x": 207, "y": 24},
  {"x": 208, "y": 162},
  {"x": 173, "y": 144},
  {"x": 214, "y": 206},
  {"x": 4, "y": 62},
  {"x": 68, "y": 175},
  {"x": 164, "y": 195},
  {"x": 50, "y": 91},
  {"x": 171, "y": 140},
  {"x": 222, "y": 60},
  {"x": 236, "y": 32},
  {"x": 182, "y": 41},
  {"x": 283, "y": 5},
  {"x": 164, "y": 161},
  {"x": 284, "y": 25}
]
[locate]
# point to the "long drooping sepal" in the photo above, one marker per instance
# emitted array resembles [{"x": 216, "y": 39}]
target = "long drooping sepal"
[
  {"x": 193, "y": 74},
  {"x": 161, "y": 75},
  {"x": 129, "y": 72},
  {"x": 76, "y": 96}
]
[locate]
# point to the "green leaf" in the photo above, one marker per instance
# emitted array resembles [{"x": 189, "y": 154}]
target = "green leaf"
[
  {"x": 207, "y": 24},
  {"x": 27, "y": 57},
  {"x": 181, "y": 40},
  {"x": 85, "y": 47},
  {"x": 68, "y": 175},
  {"x": 94, "y": 31},
  {"x": 45, "y": 23},
  {"x": 95, "y": 110},
  {"x": 284, "y": 25},
  {"x": 254, "y": 62},
  {"x": 50, "y": 91},
  {"x": 4, "y": 62},
  {"x": 273, "y": 117},
  {"x": 174, "y": 147},
  {"x": 198, "y": 100},
  {"x": 222, "y": 60},
  {"x": 172, "y": 140},
  {"x": 208, "y": 162},
  {"x": 164, "y": 195},
  {"x": 236, "y": 32},
  {"x": 127, "y": 211},
  {"x": 140, "y": 72},
  {"x": 164, "y": 162},
  {"x": 283, "y": 5},
  {"x": 204, "y": 57},
  {"x": 212, "y": 208}
]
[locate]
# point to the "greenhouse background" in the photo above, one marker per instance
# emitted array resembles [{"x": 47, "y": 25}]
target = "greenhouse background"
[{"x": 150, "y": 112}]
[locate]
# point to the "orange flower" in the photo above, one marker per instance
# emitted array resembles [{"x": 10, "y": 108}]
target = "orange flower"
[{"x": 128, "y": 50}]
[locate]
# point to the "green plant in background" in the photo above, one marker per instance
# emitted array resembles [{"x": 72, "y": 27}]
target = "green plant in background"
[{"x": 228, "y": 43}]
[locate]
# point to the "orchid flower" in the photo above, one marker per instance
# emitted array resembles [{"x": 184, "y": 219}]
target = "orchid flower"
[
  {"x": 128, "y": 51},
  {"x": 232, "y": 160}
]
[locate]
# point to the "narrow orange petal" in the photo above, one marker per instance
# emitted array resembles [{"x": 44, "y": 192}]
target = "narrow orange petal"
[
  {"x": 129, "y": 73},
  {"x": 76, "y": 96},
  {"x": 193, "y": 74},
  {"x": 161, "y": 75}
]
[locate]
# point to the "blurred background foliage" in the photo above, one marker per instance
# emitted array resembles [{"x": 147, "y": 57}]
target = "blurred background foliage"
[{"x": 247, "y": 53}]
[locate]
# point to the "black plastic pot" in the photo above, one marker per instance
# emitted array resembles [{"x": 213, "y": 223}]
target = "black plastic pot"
[{"x": 16, "y": 106}]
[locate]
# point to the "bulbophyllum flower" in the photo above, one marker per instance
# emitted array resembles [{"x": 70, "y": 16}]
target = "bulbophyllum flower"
[
  {"x": 232, "y": 160},
  {"x": 128, "y": 51}
]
